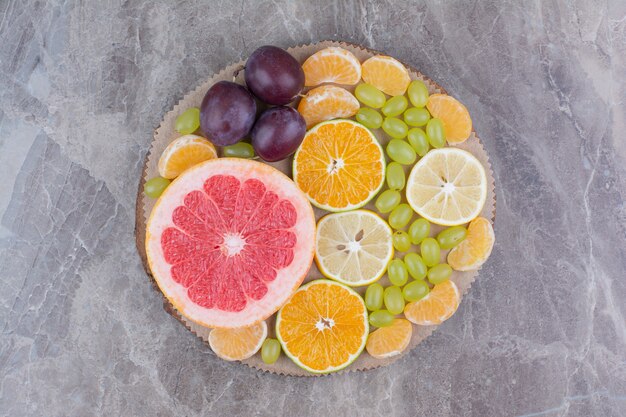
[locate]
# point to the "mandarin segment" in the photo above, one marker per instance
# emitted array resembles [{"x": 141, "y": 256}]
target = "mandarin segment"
[
  {"x": 327, "y": 102},
  {"x": 390, "y": 341},
  {"x": 436, "y": 307},
  {"x": 456, "y": 119},
  {"x": 474, "y": 251},
  {"x": 238, "y": 344},
  {"x": 332, "y": 65},
  {"x": 387, "y": 74}
]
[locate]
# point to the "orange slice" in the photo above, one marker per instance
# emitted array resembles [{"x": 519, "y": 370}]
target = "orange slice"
[
  {"x": 327, "y": 102},
  {"x": 390, "y": 341},
  {"x": 239, "y": 343},
  {"x": 438, "y": 306},
  {"x": 339, "y": 165},
  {"x": 183, "y": 153},
  {"x": 323, "y": 328},
  {"x": 331, "y": 65},
  {"x": 456, "y": 120},
  {"x": 471, "y": 253},
  {"x": 387, "y": 74}
]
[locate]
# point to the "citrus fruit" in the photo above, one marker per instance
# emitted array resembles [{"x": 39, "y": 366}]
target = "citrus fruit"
[
  {"x": 339, "y": 165},
  {"x": 456, "y": 120},
  {"x": 323, "y": 327},
  {"x": 387, "y": 74},
  {"x": 183, "y": 153},
  {"x": 238, "y": 344},
  {"x": 353, "y": 247},
  {"x": 229, "y": 241},
  {"x": 448, "y": 186},
  {"x": 471, "y": 253},
  {"x": 390, "y": 341},
  {"x": 436, "y": 307},
  {"x": 327, "y": 102},
  {"x": 331, "y": 65}
]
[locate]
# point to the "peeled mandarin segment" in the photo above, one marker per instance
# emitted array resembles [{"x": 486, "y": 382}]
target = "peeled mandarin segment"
[
  {"x": 387, "y": 74},
  {"x": 327, "y": 102},
  {"x": 183, "y": 153},
  {"x": 474, "y": 251},
  {"x": 454, "y": 115},
  {"x": 390, "y": 341},
  {"x": 436, "y": 307},
  {"x": 238, "y": 344},
  {"x": 332, "y": 65}
]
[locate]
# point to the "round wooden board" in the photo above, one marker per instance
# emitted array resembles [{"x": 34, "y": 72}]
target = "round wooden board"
[{"x": 165, "y": 133}]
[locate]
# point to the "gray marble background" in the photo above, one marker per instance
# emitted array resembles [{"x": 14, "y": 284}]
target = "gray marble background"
[{"x": 84, "y": 83}]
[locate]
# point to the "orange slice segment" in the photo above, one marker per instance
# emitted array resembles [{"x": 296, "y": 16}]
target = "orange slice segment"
[
  {"x": 456, "y": 120},
  {"x": 474, "y": 251},
  {"x": 327, "y": 102},
  {"x": 183, "y": 153},
  {"x": 438, "y": 306},
  {"x": 323, "y": 328},
  {"x": 339, "y": 165},
  {"x": 331, "y": 65},
  {"x": 390, "y": 341},
  {"x": 239, "y": 343},
  {"x": 387, "y": 74}
]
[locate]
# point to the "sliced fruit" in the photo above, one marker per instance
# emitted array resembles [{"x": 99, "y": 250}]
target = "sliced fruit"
[
  {"x": 323, "y": 327},
  {"x": 436, "y": 307},
  {"x": 390, "y": 341},
  {"x": 448, "y": 186},
  {"x": 238, "y": 344},
  {"x": 471, "y": 253},
  {"x": 331, "y": 65},
  {"x": 327, "y": 102},
  {"x": 387, "y": 74},
  {"x": 457, "y": 122},
  {"x": 353, "y": 247},
  {"x": 183, "y": 153},
  {"x": 339, "y": 165},
  {"x": 229, "y": 242}
]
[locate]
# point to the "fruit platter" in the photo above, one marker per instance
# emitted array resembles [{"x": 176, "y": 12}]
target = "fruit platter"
[{"x": 316, "y": 209}]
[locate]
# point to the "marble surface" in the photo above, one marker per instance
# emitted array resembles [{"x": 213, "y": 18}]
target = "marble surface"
[{"x": 84, "y": 83}]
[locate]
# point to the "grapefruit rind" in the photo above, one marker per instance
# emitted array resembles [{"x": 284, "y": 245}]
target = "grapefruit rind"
[{"x": 287, "y": 280}]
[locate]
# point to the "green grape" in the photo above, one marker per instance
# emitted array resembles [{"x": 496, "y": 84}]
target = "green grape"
[
  {"x": 396, "y": 271},
  {"x": 374, "y": 297},
  {"x": 270, "y": 351},
  {"x": 418, "y": 93},
  {"x": 154, "y": 187},
  {"x": 415, "y": 266},
  {"x": 430, "y": 251},
  {"x": 387, "y": 201},
  {"x": 419, "y": 230},
  {"x": 395, "y": 176},
  {"x": 394, "y": 300},
  {"x": 451, "y": 237},
  {"x": 369, "y": 118},
  {"x": 416, "y": 116},
  {"x": 435, "y": 133},
  {"x": 400, "y": 216},
  {"x": 401, "y": 152},
  {"x": 415, "y": 290},
  {"x": 439, "y": 273},
  {"x": 418, "y": 141},
  {"x": 395, "y": 106},
  {"x": 370, "y": 95},
  {"x": 401, "y": 241},
  {"x": 238, "y": 150},
  {"x": 188, "y": 122},
  {"x": 395, "y": 127},
  {"x": 381, "y": 318}
]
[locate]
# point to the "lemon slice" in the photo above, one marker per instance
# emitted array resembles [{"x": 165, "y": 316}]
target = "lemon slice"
[
  {"x": 353, "y": 248},
  {"x": 448, "y": 186}
]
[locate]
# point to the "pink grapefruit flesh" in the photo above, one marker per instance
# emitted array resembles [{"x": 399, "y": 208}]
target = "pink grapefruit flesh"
[{"x": 229, "y": 241}]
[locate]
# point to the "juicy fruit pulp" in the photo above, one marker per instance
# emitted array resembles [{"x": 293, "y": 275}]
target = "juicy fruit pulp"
[
  {"x": 436, "y": 307},
  {"x": 327, "y": 102},
  {"x": 471, "y": 253},
  {"x": 229, "y": 241},
  {"x": 183, "y": 153},
  {"x": 238, "y": 344},
  {"x": 386, "y": 74},
  {"x": 273, "y": 75},
  {"x": 323, "y": 327},
  {"x": 390, "y": 341},
  {"x": 339, "y": 166},
  {"x": 454, "y": 115},
  {"x": 227, "y": 113},
  {"x": 277, "y": 133},
  {"x": 332, "y": 65}
]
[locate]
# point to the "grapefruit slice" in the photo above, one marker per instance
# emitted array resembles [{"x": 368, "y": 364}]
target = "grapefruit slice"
[{"x": 229, "y": 241}]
